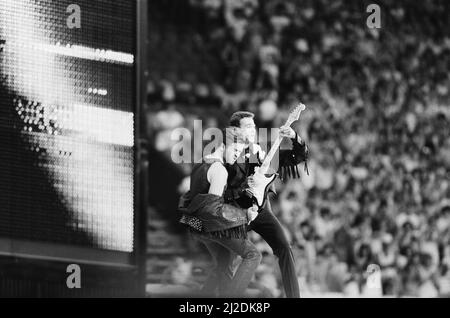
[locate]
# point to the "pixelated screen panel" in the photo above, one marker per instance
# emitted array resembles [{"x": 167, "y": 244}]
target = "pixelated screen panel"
[{"x": 67, "y": 122}]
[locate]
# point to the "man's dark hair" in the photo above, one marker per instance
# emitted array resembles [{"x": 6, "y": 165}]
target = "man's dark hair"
[{"x": 235, "y": 119}]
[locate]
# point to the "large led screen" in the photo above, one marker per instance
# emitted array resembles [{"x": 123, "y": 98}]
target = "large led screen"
[{"x": 67, "y": 104}]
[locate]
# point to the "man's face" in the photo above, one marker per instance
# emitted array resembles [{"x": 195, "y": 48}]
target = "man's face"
[
  {"x": 233, "y": 151},
  {"x": 249, "y": 129}
]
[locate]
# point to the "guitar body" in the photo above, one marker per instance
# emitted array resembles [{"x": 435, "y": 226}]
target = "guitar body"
[{"x": 260, "y": 187}]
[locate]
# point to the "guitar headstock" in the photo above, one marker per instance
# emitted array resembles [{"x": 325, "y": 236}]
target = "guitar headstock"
[{"x": 294, "y": 115}]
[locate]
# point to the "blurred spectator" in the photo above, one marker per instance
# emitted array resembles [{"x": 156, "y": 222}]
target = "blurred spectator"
[{"x": 377, "y": 125}]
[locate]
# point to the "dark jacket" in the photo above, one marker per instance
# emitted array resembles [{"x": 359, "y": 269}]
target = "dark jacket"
[{"x": 209, "y": 214}]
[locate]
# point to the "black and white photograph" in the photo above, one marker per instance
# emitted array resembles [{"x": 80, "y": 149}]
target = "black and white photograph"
[{"x": 245, "y": 150}]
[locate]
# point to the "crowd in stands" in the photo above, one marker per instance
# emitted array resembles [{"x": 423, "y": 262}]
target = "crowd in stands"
[{"x": 377, "y": 126}]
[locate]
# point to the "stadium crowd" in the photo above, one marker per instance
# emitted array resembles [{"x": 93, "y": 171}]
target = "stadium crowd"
[{"x": 377, "y": 125}]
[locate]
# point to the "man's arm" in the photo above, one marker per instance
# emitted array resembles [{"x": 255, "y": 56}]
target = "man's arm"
[
  {"x": 217, "y": 177},
  {"x": 289, "y": 159},
  {"x": 298, "y": 154}
]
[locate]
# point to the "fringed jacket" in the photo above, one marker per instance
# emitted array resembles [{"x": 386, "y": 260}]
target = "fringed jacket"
[
  {"x": 208, "y": 213},
  {"x": 289, "y": 159}
]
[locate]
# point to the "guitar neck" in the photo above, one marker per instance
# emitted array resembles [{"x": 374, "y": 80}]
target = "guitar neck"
[{"x": 268, "y": 159}]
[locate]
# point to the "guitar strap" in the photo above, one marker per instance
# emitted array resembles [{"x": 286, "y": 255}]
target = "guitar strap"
[{"x": 247, "y": 161}]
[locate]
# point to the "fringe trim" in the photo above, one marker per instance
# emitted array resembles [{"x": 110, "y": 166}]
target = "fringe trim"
[
  {"x": 239, "y": 232},
  {"x": 196, "y": 226},
  {"x": 289, "y": 172},
  {"x": 292, "y": 172}
]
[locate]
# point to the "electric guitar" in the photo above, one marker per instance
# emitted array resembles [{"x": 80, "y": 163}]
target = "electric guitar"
[{"x": 260, "y": 181}]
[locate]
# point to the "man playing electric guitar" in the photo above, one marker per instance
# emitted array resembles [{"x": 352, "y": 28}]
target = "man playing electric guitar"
[{"x": 266, "y": 224}]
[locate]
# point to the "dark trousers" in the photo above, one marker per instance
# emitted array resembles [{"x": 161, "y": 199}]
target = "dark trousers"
[
  {"x": 221, "y": 281},
  {"x": 270, "y": 229}
]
